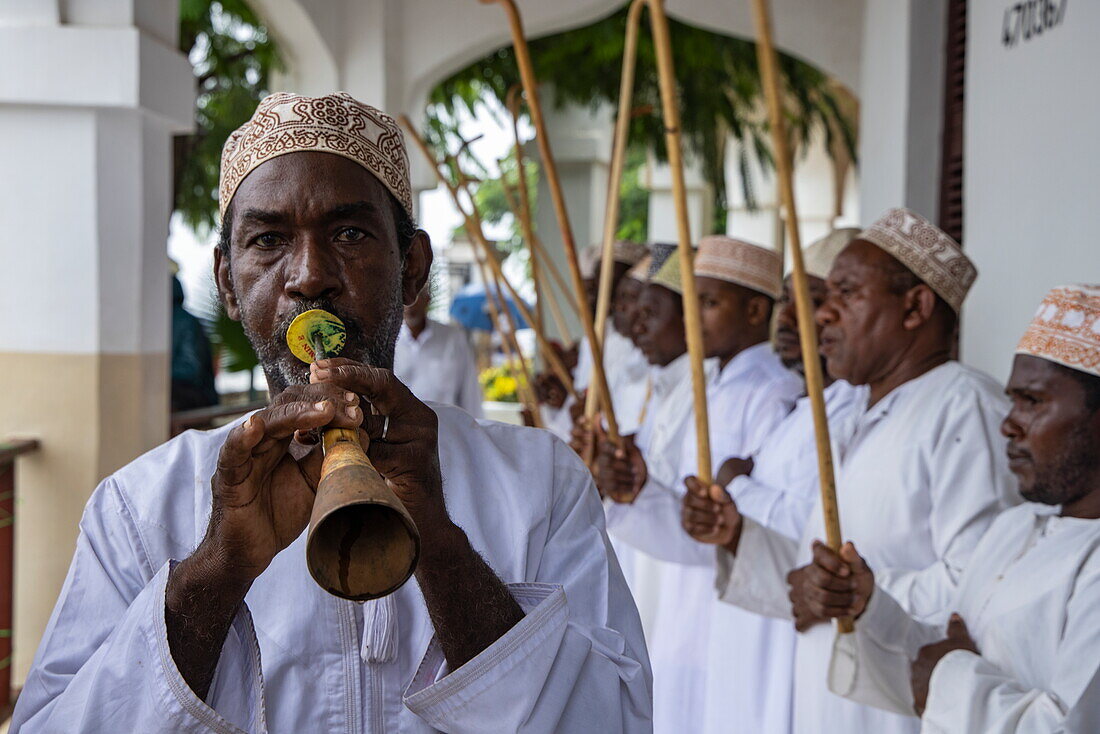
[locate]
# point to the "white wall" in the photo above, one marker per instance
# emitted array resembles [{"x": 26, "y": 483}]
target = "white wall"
[{"x": 1032, "y": 190}]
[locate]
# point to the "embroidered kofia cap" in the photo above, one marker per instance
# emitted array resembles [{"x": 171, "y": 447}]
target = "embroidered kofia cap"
[
  {"x": 335, "y": 123},
  {"x": 740, "y": 263},
  {"x": 1066, "y": 329}
]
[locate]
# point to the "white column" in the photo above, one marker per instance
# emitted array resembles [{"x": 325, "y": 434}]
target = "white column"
[
  {"x": 89, "y": 100},
  {"x": 901, "y": 105},
  {"x": 581, "y": 144},
  {"x": 662, "y": 204}
]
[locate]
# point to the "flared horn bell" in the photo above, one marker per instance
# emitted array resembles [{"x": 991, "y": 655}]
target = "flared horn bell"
[{"x": 362, "y": 542}]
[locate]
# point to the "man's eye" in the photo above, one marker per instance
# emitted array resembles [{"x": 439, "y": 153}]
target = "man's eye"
[
  {"x": 350, "y": 234},
  {"x": 269, "y": 239}
]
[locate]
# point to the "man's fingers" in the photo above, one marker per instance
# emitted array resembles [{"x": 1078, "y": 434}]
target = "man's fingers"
[
  {"x": 235, "y": 459},
  {"x": 719, "y": 495},
  {"x": 388, "y": 394},
  {"x": 822, "y": 579},
  {"x": 828, "y": 559},
  {"x": 700, "y": 517},
  {"x": 852, "y": 557}
]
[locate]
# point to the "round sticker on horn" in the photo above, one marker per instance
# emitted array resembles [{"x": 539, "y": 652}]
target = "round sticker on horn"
[{"x": 312, "y": 326}]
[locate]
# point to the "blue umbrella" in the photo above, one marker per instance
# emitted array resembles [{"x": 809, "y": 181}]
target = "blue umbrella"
[{"x": 470, "y": 307}]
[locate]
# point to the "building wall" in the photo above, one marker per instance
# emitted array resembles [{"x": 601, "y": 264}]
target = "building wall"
[{"x": 1032, "y": 195}]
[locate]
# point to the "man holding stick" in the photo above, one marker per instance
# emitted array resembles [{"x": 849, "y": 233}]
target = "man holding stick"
[
  {"x": 921, "y": 471},
  {"x": 748, "y": 394},
  {"x": 1023, "y": 649},
  {"x": 777, "y": 485},
  {"x": 188, "y": 607}
]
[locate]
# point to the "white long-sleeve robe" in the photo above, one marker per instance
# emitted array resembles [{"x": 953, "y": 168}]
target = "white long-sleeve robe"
[
  {"x": 439, "y": 366},
  {"x": 1029, "y": 597},
  {"x": 750, "y": 660},
  {"x": 666, "y": 416},
  {"x": 299, "y": 660},
  {"x": 745, "y": 401},
  {"x": 921, "y": 475}
]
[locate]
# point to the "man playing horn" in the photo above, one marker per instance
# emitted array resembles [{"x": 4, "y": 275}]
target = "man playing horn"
[{"x": 188, "y": 607}]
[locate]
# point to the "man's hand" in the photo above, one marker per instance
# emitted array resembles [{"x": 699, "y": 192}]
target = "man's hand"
[
  {"x": 469, "y": 606},
  {"x": 549, "y": 390},
  {"x": 958, "y": 638},
  {"x": 836, "y": 584},
  {"x": 709, "y": 515},
  {"x": 803, "y": 613},
  {"x": 262, "y": 490},
  {"x": 620, "y": 471},
  {"x": 261, "y": 497},
  {"x": 582, "y": 438},
  {"x": 408, "y": 458}
]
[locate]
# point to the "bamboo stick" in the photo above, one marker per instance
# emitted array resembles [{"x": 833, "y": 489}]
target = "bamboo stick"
[
  {"x": 692, "y": 324},
  {"x": 614, "y": 188},
  {"x": 473, "y": 227},
  {"x": 530, "y": 87},
  {"x": 815, "y": 386}
]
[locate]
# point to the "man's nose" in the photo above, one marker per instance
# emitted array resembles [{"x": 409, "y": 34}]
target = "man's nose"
[
  {"x": 826, "y": 314},
  {"x": 312, "y": 273},
  {"x": 1011, "y": 428},
  {"x": 787, "y": 315}
]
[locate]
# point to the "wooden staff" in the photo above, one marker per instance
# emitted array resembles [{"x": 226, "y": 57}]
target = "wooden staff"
[
  {"x": 666, "y": 78},
  {"x": 475, "y": 232},
  {"x": 811, "y": 362},
  {"x": 530, "y": 87},
  {"x": 614, "y": 187}
]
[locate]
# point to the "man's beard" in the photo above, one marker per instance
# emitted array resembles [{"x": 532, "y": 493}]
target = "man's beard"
[
  {"x": 375, "y": 349},
  {"x": 1069, "y": 478}
]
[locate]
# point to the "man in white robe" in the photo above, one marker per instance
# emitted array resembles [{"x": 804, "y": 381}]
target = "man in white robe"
[
  {"x": 188, "y": 606},
  {"x": 435, "y": 360},
  {"x": 920, "y": 467},
  {"x": 776, "y": 486},
  {"x": 747, "y": 396},
  {"x": 1023, "y": 649},
  {"x": 658, "y": 328}
]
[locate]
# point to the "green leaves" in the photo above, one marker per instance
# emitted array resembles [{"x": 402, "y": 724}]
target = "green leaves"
[
  {"x": 233, "y": 58},
  {"x": 719, "y": 86}
]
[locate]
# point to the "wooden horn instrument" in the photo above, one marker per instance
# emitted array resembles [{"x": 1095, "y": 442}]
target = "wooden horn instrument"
[{"x": 362, "y": 543}]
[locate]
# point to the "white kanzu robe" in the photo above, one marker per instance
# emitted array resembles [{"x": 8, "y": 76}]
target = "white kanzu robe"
[
  {"x": 667, "y": 413},
  {"x": 745, "y": 401},
  {"x": 920, "y": 477},
  {"x": 1029, "y": 597},
  {"x": 439, "y": 366},
  {"x": 299, "y": 660},
  {"x": 751, "y": 689}
]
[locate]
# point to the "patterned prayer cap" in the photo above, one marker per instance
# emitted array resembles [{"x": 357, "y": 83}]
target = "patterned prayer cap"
[
  {"x": 629, "y": 253},
  {"x": 659, "y": 252},
  {"x": 1066, "y": 329},
  {"x": 335, "y": 123},
  {"x": 640, "y": 271},
  {"x": 819, "y": 255},
  {"x": 740, "y": 263},
  {"x": 927, "y": 250},
  {"x": 668, "y": 276}
]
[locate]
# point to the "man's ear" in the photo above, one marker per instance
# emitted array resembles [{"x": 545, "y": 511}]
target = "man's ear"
[
  {"x": 920, "y": 302},
  {"x": 418, "y": 266},
  {"x": 224, "y": 280},
  {"x": 758, "y": 310}
]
